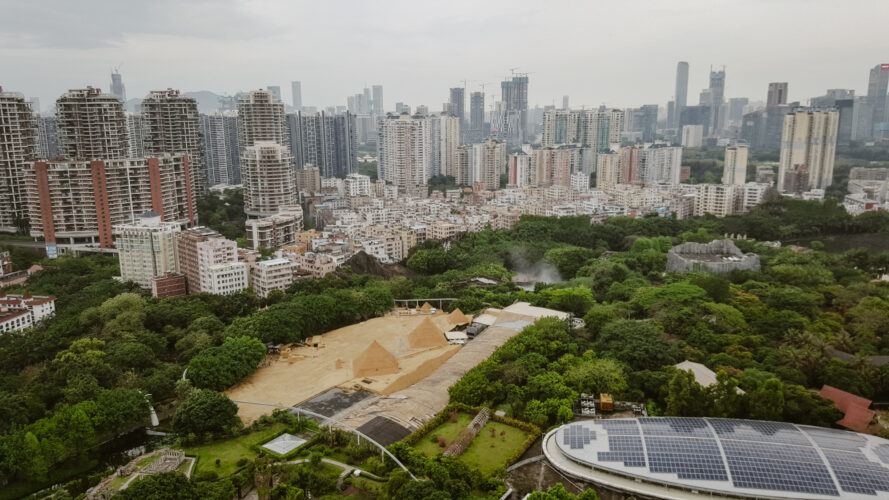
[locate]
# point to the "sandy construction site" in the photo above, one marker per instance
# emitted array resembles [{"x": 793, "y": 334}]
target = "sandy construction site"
[{"x": 382, "y": 355}]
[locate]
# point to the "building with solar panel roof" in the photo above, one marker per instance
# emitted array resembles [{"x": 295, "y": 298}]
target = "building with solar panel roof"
[{"x": 685, "y": 458}]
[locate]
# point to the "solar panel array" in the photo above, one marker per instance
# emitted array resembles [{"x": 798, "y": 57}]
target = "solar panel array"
[
  {"x": 690, "y": 458},
  {"x": 769, "y": 466},
  {"x": 675, "y": 426},
  {"x": 745, "y": 454},
  {"x": 626, "y": 449},
  {"x": 577, "y": 436},
  {"x": 856, "y": 473}
]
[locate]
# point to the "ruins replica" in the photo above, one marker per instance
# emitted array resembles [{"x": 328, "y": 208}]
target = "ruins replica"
[{"x": 718, "y": 256}]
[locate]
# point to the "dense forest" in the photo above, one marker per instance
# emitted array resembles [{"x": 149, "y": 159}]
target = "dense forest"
[{"x": 86, "y": 375}]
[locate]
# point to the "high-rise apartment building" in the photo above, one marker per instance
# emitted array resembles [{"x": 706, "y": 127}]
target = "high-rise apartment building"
[
  {"x": 514, "y": 96},
  {"x": 18, "y": 144},
  {"x": 477, "y": 116},
  {"x": 518, "y": 170},
  {"x": 146, "y": 248},
  {"x": 653, "y": 165},
  {"x": 554, "y": 166},
  {"x": 808, "y": 142},
  {"x": 692, "y": 136},
  {"x": 308, "y": 179},
  {"x": 92, "y": 125},
  {"x": 47, "y": 137},
  {"x": 269, "y": 183},
  {"x": 607, "y": 170},
  {"x": 261, "y": 118},
  {"x": 296, "y": 91},
  {"x": 457, "y": 103},
  {"x": 79, "y": 201},
  {"x": 680, "y": 97},
  {"x": 403, "y": 150},
  {"x": 595, "y": 129},
  {"x": 877, "y": 85},
  {"x": 717, "y": 100},
  {"x": 275, "y": 90},
  {"x": 171, "y": 124},
  {"x": 219, "y": 133},
  {"x": 326, "y": 141},
  {"x": 117, "y": 87},
  {"x": 378, "y": 109},
  {"x": 134, "y": 135},
  {"x": 489, "y": 160},
  {"x": 777, "y": 95},
  {"x": 448, "y": 142},
  {"x": 735, "y": 166}
]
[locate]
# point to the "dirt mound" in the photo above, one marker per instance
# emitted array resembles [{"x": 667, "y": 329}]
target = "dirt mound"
[{"x": 362, "y": 263}]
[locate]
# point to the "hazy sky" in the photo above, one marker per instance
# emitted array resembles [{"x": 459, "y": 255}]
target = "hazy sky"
[{"x": 616, "y": 52}]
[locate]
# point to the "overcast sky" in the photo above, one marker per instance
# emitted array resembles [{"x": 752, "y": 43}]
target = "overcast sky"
[{"x": 616, "y": 52}]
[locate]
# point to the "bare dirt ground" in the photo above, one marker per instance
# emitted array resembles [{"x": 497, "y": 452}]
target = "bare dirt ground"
[{"x": 303, "y": 372}]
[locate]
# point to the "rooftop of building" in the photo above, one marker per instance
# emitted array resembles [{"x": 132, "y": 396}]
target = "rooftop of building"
[{"x": 681, "y": 457}]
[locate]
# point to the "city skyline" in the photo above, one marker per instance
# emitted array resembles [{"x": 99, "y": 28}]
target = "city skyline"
[{"x": 243, "y": 46}]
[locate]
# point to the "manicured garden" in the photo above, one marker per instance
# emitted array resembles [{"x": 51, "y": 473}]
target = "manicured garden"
[
  {"x": 230, "y": 451},
  {"x": 488, "y": 451}
]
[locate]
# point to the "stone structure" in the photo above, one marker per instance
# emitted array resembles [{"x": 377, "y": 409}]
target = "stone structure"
[{"x": 718, "y": 256}]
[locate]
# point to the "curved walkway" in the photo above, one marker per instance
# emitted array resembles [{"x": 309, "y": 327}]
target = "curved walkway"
[
  {"x": 331, "y": 421},
  {"x": 347, "y": 469}
]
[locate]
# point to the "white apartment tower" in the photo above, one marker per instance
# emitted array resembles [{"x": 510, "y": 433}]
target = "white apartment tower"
[
  {"x": 735, "y": 167},
  {"x": 808, "y": 142},
  {"x": 449, "y": 141},
  {"x": 403, "y": 150},
  {"x": 171, "y": 124},
  {"x": 146, "y": 248},
  {"x": 692, "y": 136},
  {"x": 18, "y": 143},
  {"x": 261, "y": 118},
  {"x": 92, "y": 125},
  {"x": 489, "y": 160},
  {"x": 134, "y": 135},
  {"x": 221, "y": 146},
  {"x": 357, "y": 185},
  {"x": 268, "y": 177}
]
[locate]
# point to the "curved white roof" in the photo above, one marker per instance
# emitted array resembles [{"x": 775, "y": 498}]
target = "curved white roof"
[{"x": 677, "y": 457}]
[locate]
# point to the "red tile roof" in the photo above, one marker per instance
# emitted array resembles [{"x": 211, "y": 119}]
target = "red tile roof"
[{"x": 857, "y": 415}]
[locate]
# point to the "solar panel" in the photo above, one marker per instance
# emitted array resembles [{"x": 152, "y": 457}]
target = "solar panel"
[
  {"x": 690, "y": 458},
  {"x": 882, "y": 451},
  {"x": 750, "y": 430},
  {"x": 835, "y": 439},
  {"x": 675, "y": 426},
  {"x": 778, "y": 466},
  {"x": 856, "y": 473},
  {"x": 620, "y": 427},
  {"x": 626, "y": 449},
  {"x": 576, "y": 436}
]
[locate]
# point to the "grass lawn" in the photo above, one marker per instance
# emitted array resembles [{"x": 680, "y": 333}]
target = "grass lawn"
[
  {"x": 446, "y": 430},
  {"x": 485, "y": 453},
  {"x": 229, "y": 451}
]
